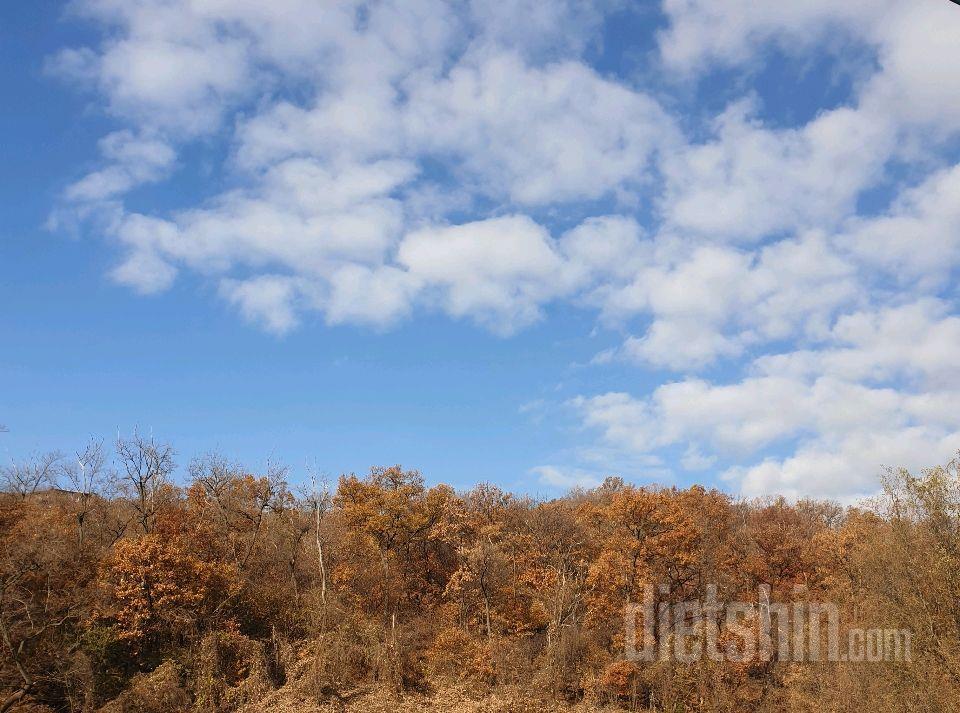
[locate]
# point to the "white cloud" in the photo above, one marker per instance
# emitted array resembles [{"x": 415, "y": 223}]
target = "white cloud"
[
  {"x": 916, "y": 45},
  {"x": 825, "y": 408},
  {"x": 623, "y": 420},
  {"x": 846, "y": 470},
  {"x": 679, "y": 344},
  {"x": 379, "y": 296},
  {"x": 302, "y": 216},
  {"x": 146, "y": 78},
  {"x": 565, "y": 478},
  {"x": 701, "y": 31},
  {"x": 145, "y": 272},
  {"x": 694, "y": 460},
  {"x": 499, "y": 271},
  {"x": 145, "y": 268},
  {"x": 918, "y": 238},
  {"x": 330, "y": 178},
  {"x": 406, "y": 155},
  {"x": 266, "y": 299},
  {"x": 353, "y": 294},
  {"x": 714, "y": 302},
  {"x": 751, "y": 181},
  {"x": 610, "y": 247},
  {"x": 918, "y": 342},
  {"x": 537, "y": 27},
  {"x": 179, "y": 65},
  {"x": 132, "y": 161},
  {"x": 591, "y": 136}
]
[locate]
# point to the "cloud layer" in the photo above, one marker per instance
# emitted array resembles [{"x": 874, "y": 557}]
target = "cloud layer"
[{"x": 477, "y": 159}]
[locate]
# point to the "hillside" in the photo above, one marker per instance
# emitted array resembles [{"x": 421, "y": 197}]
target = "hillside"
[{"x": 123, "y": 590}]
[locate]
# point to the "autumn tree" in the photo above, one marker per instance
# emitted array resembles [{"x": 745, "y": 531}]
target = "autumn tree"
[
  {"x": 146, "y": 466},
  {"x": 482, "y": 565},
  {"x": 401, "y": 521},
  {"x": 160, "y": 591},
  {"x": 121, "y": 585},
  {"x": 44, "y": 596}
]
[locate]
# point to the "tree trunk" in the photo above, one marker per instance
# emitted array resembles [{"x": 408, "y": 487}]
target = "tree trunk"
[{"x": 323, "y": 571}]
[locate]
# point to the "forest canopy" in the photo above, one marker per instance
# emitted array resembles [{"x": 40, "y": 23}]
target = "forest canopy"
[{"x": 124, "y": 586}]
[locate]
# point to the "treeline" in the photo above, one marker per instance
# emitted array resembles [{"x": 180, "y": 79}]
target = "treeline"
[{"x": 121, "y": 589}]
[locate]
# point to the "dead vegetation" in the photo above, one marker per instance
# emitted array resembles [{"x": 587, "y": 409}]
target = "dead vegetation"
[{"x": 232, "y": 593}]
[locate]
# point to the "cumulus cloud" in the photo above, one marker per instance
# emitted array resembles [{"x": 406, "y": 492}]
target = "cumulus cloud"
[
  {"x": 700, "y": 30},
  {"x": 538, "y": 135},
  {"x": 914, "y": 46},
  {"x": 301, "y": 216},
  {"x": 377, "y": 296},
  {"x": 846, "y": 468},
  {"x": 918, "y": 342},
  {"x": 611, "y": 247},
  {"x": 918, "y": 237},
  {"x": 266, "y": 299},
  {"x": 715, "y": 302},
  {"x": 389, "y": 158},
  {"x": 751, "y": 181},
  {"x": 879, "y": 391},
  {"x": 132, "y": 161},
  {"x": 565, "y": 479},
  {"x": 499, "y": 270}
]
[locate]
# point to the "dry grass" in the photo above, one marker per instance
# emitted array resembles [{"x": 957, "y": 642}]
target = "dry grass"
[
  {"x": 452, "y": 699},
  {"x": 160, "y": 691}
]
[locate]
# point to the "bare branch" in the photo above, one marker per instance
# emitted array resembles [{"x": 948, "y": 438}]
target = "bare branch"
[
  {"x": 25, "y": 479},
  {"x": 147, "y": 466}
]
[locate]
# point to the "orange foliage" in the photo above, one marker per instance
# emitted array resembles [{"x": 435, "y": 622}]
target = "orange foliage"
[
  {"x": 158, "y": 588},
  {"x": 241, "y": 586}
]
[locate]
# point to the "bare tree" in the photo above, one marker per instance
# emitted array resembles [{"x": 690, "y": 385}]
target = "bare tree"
[
  {"x": 25, "y": 479},
  {"x": 146, "y": 468},
  {"x": 216, "y": 476},
  {"x": 86, "y": 479},
  {"x": 241, "y": 500},
  {"x": 319, "y": 501},
  {"x": 269, "y": 495}
]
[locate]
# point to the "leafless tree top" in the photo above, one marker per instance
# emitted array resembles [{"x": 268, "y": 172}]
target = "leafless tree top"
[{"x": 39, "y": 472}]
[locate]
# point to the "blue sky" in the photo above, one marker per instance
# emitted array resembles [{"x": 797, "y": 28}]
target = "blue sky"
[{"x": 534, "y": 243}]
